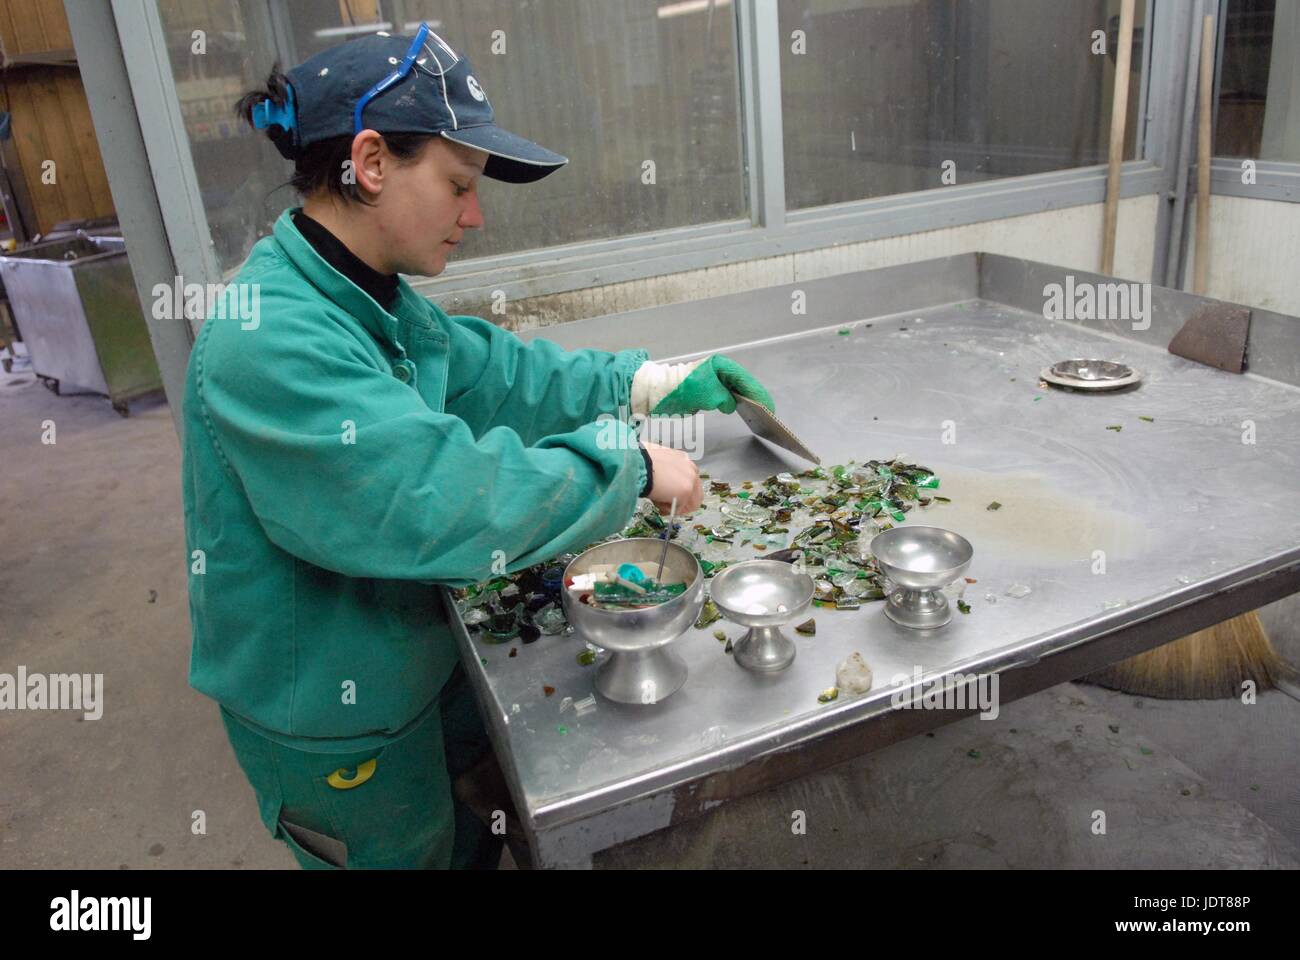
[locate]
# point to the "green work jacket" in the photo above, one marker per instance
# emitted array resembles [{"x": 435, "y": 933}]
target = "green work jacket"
[{"x": 343, "y": 464}]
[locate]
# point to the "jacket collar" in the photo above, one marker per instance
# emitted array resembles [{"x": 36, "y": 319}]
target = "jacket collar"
[{"x": 409, "y": 306}]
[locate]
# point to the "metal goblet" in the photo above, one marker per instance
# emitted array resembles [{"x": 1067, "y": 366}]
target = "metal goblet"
[
  {"x": 762, "y": 595},
  {"x": 641, "y": 668},
  {"x": 920, "y": 562}
]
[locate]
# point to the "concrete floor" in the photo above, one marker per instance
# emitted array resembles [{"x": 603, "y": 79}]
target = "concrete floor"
[{"x": 92, "y": 580}]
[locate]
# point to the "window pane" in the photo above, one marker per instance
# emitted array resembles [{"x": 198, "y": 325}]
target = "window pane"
[
  {"x": 1259, "y": 81},
  {"x": 887, "y": 91},
  {"x": 217, "y": 52},
  {"x": 611, "y": 85}
]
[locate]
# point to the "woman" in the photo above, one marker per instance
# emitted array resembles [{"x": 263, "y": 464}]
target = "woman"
[{"x": 355, "y": 446}]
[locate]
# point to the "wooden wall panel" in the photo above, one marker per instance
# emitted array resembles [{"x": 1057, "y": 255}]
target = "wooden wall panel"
[
  {"x": 33, "y": 26},
  {"x": 51, "y": 118},
  {"x": 51, "y": 121}
]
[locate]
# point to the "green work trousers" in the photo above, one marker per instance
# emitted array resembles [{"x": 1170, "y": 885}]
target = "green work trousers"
[{"x": 397, "y": 813}]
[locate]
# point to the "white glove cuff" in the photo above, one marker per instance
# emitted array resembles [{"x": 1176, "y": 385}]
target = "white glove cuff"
[{"x": 654, "y": 381}]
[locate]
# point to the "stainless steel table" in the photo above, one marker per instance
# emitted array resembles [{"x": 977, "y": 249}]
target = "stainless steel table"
[{"x": 1190, "y": 524}]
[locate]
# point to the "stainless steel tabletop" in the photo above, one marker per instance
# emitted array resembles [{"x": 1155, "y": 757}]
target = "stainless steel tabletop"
[{"x": 1179, "y": 507}]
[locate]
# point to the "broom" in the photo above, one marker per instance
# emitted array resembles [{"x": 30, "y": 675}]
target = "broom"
[{"x": 1211, "y": 663}]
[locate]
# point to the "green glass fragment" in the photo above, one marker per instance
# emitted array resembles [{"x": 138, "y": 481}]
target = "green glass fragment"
[
  {"x": 720, "y": 636},
  {"x": 829, "y": 694},
  {"x": 963, "y": 606},
  {"x": 994, "y": 506},
  {"x": 708, "y": 614},
  {"x": 1148, "y": 419},
  {"x": 1117, "y": 427},
  {"x": 587, "y": 658}
]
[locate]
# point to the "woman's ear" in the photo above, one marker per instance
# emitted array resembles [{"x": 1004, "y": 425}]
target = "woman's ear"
[{"x": 369, "y": 162}]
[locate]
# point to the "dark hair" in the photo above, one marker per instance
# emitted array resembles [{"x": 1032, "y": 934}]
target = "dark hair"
[{"x": 319, "y": 166}]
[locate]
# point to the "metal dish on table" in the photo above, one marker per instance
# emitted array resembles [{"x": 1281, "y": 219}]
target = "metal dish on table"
[
  {"x": 763, "y": 595},
  {"x": 1090, "y": 375},
  {"x": 641, "y": 668}
]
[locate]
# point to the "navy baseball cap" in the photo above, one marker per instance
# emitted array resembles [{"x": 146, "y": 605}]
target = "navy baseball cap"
[{"x": 396, "y": 84}]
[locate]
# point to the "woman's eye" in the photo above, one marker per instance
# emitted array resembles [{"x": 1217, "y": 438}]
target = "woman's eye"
[{"x": 460, "y": 190}]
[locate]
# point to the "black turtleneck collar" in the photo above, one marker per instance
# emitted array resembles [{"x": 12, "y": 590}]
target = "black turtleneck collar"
[{"x": 382, "y": 287}]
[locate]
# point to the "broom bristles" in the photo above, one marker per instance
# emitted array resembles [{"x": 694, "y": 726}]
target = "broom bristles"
[{"x": 1210, "y": 664}]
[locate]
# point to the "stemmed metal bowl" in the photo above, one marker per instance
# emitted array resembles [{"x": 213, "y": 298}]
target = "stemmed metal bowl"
[
  {"x": 641, "y": 668},
  {"x": 920, "y": 562},
  {"x": 762, "y": 595}
]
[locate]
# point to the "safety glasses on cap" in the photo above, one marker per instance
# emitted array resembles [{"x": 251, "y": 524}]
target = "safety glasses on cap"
[{"x": 403, "y": 68}]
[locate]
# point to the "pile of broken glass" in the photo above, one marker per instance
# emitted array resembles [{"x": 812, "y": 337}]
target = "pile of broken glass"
[{"x": 821, "y": 519}]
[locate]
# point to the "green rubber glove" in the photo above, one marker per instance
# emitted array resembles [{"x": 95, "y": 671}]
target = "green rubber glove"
[{"x": 710, "y": 387}]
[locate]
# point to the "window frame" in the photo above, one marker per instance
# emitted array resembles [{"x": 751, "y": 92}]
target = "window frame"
[
  {"x": 1274, "y": 179},
  {"x": 770, "y": 229},
  {"x": 773, "y": 230}
]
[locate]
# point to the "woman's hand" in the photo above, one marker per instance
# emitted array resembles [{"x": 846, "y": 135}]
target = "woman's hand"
[
  {"x": 675, "y": 476},
  {"x": 710, "y": 387}
]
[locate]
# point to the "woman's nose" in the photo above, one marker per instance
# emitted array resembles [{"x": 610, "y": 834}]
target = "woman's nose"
[{"x": 471, "y": 216}]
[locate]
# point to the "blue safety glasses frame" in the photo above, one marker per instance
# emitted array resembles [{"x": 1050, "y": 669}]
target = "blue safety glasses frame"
[{"x": 392, "y": 79}]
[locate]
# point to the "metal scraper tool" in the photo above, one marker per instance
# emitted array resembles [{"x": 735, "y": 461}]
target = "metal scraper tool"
[{"x": 767, "y": 426}]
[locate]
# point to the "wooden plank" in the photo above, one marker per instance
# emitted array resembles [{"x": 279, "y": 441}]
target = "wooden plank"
[
  {"x": 1204, "y": 119},
  {"x": 70, "y": 180},
  {"x": 47, "y": 201},
  {"x": 1118, "y": 120},
  {"x": 54, "y": 25},
  {"x": 51, "y": 121},
  {"x": 76, "y": 109},
  {"x": 6, "y": 29},
  {"x": 28, "y": 35},
  {"x": 33, "y": 26},
  {"x": 361, "y": 11}
]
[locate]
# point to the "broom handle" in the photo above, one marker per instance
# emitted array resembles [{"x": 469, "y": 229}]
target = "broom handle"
[
  {"x": 1118, "y": 122},
  {"x": 1200, "y": 276}
]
